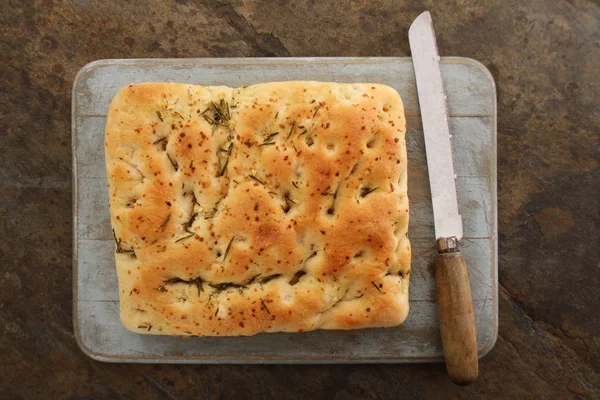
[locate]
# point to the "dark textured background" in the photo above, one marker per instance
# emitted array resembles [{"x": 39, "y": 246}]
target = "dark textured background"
[{"x": 544, "y": 55}]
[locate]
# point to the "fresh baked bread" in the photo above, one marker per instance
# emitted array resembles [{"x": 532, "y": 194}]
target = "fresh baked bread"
[{"x": 274, "y": 207}]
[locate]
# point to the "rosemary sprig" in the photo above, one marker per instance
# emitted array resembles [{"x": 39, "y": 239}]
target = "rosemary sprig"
[
  {"x": 198, "y": 283},
  {"x": 210, "y": 213},
  {"x": 160, "y": 116},
  {"x": 297, "y": 277},
  {"x": 288, "y": 201},
  {"x": 291, "y": 130},
  {"x": 269, "y": 139},
  {"x": 376, "y": 287},
  {"x": 162, "y": 139},
  {"x": 267, "y": 278},
  {"x": 257, "y": 180},
  {"x": 173, "y": 162},
  {"x": 164, "y": 224},
  {"x": 189, "y": 223},
  {"x": 228, "y": 248},
  {"x": 265, "y": 306},
  {"x": 223, "y": 165},
  {"x": 366, "y": 190},
  {"x": 295, "y": 185},
  {"x": 309, "y": 141},
  {"x": 316, "y": 111},
  {"x": 120, "y": 248},
  {"x": 220, "y": 114},
  {"x": 184, "y": 237},
  {"x": 209, "y": 119}
]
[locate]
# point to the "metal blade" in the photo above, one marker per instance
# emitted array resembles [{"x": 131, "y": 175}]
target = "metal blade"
[{"x": 434, "y": 113}]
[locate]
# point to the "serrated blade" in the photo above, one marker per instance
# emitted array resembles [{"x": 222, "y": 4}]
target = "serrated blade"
[{"x": 434, "y": 113}]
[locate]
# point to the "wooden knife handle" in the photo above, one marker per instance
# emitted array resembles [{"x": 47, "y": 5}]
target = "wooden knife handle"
[{"x": 457, "y": 319}]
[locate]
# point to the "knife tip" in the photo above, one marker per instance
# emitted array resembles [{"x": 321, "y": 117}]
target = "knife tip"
[{"x": 424, "y": 17}]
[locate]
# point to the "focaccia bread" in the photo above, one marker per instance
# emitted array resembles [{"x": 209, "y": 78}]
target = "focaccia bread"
[{"x": 274, "y": 207}]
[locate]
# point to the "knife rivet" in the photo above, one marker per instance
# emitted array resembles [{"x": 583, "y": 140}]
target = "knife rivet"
[{"x": 447, "y": 245}]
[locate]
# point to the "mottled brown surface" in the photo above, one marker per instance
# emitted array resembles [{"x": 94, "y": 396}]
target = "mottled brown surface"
[{"x": 544, "y": 55}]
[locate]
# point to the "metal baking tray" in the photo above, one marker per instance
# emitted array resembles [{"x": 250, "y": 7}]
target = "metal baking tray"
[{"x": 472, "y": 105}]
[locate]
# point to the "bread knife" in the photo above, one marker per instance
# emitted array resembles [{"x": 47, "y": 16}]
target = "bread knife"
[{"x": 455, "y": 305}]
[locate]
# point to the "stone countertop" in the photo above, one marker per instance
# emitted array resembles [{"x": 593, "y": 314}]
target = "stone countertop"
[{"x": 544, "y": 56}]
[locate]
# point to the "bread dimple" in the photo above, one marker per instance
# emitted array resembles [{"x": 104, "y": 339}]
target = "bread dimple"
[{"x": 274, "y": 207}]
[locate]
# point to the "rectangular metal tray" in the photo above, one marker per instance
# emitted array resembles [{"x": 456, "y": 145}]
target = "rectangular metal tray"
[{"x": 472, "y": 106}]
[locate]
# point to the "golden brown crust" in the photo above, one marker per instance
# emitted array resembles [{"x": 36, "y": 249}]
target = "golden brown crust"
[{"x": 274, "y": 207}]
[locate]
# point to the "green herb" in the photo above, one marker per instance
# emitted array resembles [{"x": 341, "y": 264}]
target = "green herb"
[
  {"x": 198, "y": 283},
  {"x": 194, "y": 201},
  {"x": 223, "y": 165},
  {"x": 189, "y": 224},
  {"x": 316, "y": 111},
  {"x": 184, "y": 237},
  {"x": 257, "y": 180},
  {"x": 291, "y": 130},
  {"x": 376, "y": 287},
  {"x": 221, "y": 111},
  {"x": 295, "y": 185},
  {"x": 302, "y": 133},
  {"x": 276, "y": 114},
  {"x": 209, "y": 119},
  {"x": 288, "y": 201},
  {"x": 227, "y": 249},
  {"x": 120, "y": 248},
  {"x": 268, "y": 140},
  {"x": 160, "y": 140},
  {"x": 164, "y": 224},
  {"x": 267, "y": 278},
  {"x": 149, "y": 326},
  {"x": 160, "y": 116},
  {"x": 366, "y": 190},
  {"x": 297, "y": 277},
  {"x": 180, "y": 116},
  {"x": 309, "y": 141},
  {"x": 224, "y": 286},
  {"x": 265, "y": 306},
  {"x": 173, "y": 162},
  {"x": 210, "y": 213}
]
